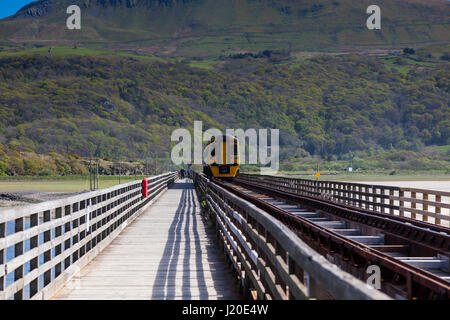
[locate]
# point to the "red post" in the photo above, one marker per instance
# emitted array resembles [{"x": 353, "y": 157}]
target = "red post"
[{"x": 144, "y": 188}]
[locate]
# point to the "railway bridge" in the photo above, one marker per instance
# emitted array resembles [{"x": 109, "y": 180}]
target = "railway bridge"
[{"x": 260, "y": 237}]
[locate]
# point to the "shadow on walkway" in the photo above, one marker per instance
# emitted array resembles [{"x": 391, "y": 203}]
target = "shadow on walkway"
[{"x": 165, "y": 283}]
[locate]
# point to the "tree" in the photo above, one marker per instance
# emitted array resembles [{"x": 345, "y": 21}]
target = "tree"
[{"x": 409, "y": 51}]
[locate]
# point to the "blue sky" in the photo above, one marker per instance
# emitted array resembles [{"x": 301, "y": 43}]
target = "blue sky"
[{"x": 9, "y": 7}]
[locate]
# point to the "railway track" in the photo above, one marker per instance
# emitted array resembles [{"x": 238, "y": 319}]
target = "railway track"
[{"x": 413, "y": 256}]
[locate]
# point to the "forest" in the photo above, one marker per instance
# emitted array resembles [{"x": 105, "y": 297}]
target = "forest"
[{"x": 125, "y": 107}]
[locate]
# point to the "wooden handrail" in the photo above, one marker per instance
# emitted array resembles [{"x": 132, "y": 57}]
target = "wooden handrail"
[
  {"x": 267, "y": 254},
  {"x": 385, "y": 199},
  {"x": 53, "y": 240}
]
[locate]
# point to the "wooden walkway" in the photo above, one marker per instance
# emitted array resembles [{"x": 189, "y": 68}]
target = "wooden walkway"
[{"x": 166, "y": 253}]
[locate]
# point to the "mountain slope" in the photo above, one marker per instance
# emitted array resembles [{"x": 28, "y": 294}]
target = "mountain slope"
[
  {"x": 213, "y": 27},
  {"x": 122, "y": 107}
]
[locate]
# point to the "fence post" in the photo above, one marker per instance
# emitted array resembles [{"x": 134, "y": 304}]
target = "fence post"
[
  {"x": 437, "y": 210},
  {"x": 425, "y": 207},
  {"x": 401, "y": 194},
  {"x": 413, "y": 204},
  {"x": 391, "y": 201},
  {"x": 2, "y": 260}
]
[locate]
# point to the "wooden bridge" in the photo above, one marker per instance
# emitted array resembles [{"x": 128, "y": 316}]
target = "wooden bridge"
[
  {"x": 166, "y": 253},
  {"x": 116, "y": 243}
]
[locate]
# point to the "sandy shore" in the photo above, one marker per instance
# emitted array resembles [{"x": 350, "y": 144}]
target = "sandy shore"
[
  {"x": 22, "y": 198},
  {"x": 430, "y": 185}
]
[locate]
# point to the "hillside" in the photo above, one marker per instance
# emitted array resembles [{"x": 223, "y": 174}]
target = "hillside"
[
  {"x": 127, "y": 107},
  {"x": 217, "y": 27}
]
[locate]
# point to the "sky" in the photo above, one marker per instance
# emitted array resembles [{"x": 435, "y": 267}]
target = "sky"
[{"x": 9, "y": 7}]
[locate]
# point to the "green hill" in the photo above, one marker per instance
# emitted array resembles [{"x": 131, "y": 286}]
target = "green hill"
[
  {"x": 138, "y": 69},
  {"x": 215, "y": 27},
  {"x": 126, "y": 107}
]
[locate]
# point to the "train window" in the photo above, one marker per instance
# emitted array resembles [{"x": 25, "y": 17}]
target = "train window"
[
  {"x": 213, "y": 152},
  {"x": 235, "y": 148}
]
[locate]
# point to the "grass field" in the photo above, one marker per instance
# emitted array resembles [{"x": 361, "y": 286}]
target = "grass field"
[
  {"x": 60, "y": 184},
  {"x": 210, "y": 28},
  {"x": 62, "y": 51},
  {"x": 207, "y": 64},
  {"x": 440, "y": 149}
]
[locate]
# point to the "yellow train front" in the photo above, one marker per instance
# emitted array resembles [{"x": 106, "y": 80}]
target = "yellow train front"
[{"x": 223, "y": 157}]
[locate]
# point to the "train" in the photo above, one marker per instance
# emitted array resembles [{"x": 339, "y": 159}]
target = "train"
[{"x": 223, "y": 158}]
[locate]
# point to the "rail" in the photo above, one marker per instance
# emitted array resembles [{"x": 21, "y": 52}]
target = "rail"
[
  {"x": 42, "y": 246},
  {"x": 271, "y": 260},
  {"x": 424, "y": 205}
]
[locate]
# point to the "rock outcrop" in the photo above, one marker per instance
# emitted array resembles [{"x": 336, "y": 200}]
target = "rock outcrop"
[{"x": 35, "y": 9}]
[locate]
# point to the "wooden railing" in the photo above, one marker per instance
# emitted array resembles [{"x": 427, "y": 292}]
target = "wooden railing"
[
  {"x": 271, "y": 260},
  {"x": 42, "y": 246},
  {"x": 425, "y": 205}
]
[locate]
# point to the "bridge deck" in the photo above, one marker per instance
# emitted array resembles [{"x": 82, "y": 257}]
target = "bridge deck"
[{"x": 166, "y": 253}]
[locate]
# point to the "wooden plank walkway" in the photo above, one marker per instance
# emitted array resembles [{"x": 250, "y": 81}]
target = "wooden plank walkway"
[{"x": 166, "y": 253}]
